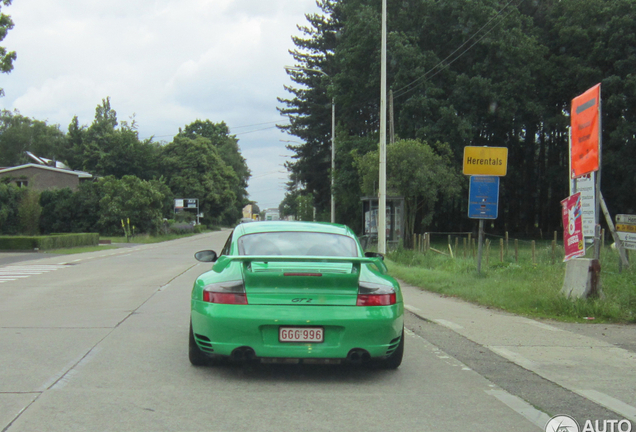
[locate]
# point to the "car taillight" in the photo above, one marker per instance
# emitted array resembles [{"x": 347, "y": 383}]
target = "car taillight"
[
  {"x": 224, "y": 298},
  {"x": 372, "y": 294},
  {"x": 375, "y": 299},
  {"x": 232, "y": 292}
]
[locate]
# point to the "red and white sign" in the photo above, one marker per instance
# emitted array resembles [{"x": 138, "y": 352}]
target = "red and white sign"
[
  {"x": 573, "y": 240},
  {"x": 585, "y": 129}
]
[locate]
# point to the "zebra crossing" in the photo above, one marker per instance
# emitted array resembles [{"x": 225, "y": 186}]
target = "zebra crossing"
[{"x": 15, "y": 272}]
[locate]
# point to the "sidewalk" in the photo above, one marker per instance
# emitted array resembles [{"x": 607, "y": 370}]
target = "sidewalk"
[{"x": 589, "y": 366}]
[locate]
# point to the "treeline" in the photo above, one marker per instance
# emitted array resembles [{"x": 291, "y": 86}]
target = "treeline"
[
  {"x": 136, "y": 179},
  {"x": 463, "y": 72}
]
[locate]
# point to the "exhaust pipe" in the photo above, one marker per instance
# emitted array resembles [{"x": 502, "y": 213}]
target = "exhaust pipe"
[
  {"x": 242, "y": 354},
  {"x": 358, "y": 356}
]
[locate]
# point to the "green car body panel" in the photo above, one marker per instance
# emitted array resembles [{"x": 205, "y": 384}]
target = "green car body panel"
[{"x": 297, "y": 291}]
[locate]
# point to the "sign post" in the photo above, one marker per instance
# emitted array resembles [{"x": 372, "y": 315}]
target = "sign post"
[{"x": 485, "y": 165}]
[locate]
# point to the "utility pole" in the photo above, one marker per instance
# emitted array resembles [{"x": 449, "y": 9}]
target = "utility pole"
[{"x": 382, "y": 192}]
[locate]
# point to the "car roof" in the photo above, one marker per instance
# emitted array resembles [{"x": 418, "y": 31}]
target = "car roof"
[{"x": 280, "y": 226}]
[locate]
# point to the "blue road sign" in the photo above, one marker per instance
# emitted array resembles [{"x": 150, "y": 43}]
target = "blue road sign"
[{"x": 483, "y": 197}]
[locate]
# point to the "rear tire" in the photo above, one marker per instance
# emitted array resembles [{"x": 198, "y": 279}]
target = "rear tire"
[
  {"x": 197, "y": 357},
  {"x": 395, "y": 359}
]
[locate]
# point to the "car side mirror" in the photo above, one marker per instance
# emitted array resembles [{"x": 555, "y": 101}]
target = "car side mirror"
[
  {"x": 374, "y": 255},
  {"x": 206, "y": 256}
]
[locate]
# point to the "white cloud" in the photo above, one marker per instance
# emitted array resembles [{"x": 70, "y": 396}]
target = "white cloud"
[{"x": 170, "y": 62}]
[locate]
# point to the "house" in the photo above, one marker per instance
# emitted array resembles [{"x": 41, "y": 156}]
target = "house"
[{"x": 42, "y": 177}]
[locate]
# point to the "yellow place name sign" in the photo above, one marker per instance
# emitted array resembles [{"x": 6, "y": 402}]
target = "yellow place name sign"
[
  {"x": 626, "y": 228},
  {"x": 491, "y": 161}
]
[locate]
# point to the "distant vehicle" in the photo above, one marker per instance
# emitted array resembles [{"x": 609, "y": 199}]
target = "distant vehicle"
[
  {"x": 244, "y": 220},
  {"x": 299, "y": 292}
]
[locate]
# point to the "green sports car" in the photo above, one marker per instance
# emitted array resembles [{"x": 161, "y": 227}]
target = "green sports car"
[{"x": 289, "y": 292}]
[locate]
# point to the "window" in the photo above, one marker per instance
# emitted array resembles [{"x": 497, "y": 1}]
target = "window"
[
  {"x": 298, "y": 244},
  {"x": 21, "y": 183}
]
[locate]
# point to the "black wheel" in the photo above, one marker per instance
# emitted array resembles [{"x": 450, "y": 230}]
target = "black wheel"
[
  {"x": 197, "y": 357},
  {"x": 394, "y": 360}
]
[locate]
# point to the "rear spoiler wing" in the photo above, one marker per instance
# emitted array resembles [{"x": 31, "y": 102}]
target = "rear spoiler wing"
[{"x": 295, "y": 258}]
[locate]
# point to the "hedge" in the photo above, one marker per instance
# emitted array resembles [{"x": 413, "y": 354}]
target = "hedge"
[{"x": 53, "y": 241}]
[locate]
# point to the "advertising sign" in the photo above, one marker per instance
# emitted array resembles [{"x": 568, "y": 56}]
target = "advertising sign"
[
  {"x": 587, "y": 186},
  {"x": 487, "y": 161},
  {"x": 483, "y": 197},
  {"x": 585, "y": 126},
  {"x": 573, "y": 241}
]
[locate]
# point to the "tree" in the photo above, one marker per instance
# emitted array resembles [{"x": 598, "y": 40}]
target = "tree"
[
  {"x": 229, "y": 151},
  {"x": 130, "y": 198},
  {"x": 106, "y": 149},
  {"x": 309, "y": 108},
  {"x": 6, "y": 58},
  {"x": 422, "y": 175},
  {"x": 29, "y": 211},
  {"x": 194, "y": 169},
  {"x": 19, "y": 134},
  {"x": 10, "y": 196}
]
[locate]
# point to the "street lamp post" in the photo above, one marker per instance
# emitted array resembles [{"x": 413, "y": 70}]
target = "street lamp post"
[{"x": 333, "y": 137}]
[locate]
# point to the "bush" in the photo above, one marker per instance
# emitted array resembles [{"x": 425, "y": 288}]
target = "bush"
[{"x": 55, "y": 241}]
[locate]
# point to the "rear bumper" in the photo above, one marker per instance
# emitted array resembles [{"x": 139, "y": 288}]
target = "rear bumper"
[{"x": 219, "y": 329}]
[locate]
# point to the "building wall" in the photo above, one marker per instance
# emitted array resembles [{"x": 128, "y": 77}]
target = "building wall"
[{"x": 43, "y": 179}]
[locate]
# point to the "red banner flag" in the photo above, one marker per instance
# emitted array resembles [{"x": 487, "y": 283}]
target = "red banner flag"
[{"x": 585, "y": 126}]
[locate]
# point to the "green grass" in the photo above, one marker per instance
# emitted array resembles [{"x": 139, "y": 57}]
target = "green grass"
[
  {"x": 148, "y": 239},
  {"x": 523, "y": 287}
]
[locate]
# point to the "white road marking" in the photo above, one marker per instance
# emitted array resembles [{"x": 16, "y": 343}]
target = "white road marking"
[
  {"x": 539, "y": 418},
  {"x": 451, "y": 325},
  {"x": 609, "y": 402},
  {"x": 411, "y": 308},
  {"x": 14, "y": 272}
]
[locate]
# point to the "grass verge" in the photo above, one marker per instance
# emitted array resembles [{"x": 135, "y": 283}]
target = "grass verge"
[{"x": 521, "y": 287}]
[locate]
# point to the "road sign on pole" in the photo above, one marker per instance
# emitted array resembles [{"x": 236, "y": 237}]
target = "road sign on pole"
[
  {"x": 483, "y": 197},
  {"x": 487, "y": 161},
  {"x": 626, "y": 230}
]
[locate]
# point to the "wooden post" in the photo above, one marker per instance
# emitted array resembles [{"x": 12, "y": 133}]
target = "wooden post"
[
  {"x": 449, "y": 240},
  {"x": 473, "y": 248},
  {"x": 413, "y": 245},
  {"x": 465, "y": 248},
  {"x": 533, "y": 253},
  {"x": 517, "y": 251},
  {"x": 507, "y": 243},
  {"x": 487, "y": 251},
  {"x": 456, "y": 245},
  {"x": 603, "y": 239},
  {"x": 501, "y": 250},
  {"x": 553, "y": 251}
]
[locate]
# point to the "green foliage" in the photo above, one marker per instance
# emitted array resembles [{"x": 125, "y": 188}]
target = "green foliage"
[
  {"x": 29, "y": 211},
  {"x": 468, "y": 73},
  {"x": 129, "y": 198},
  {"x": 228, "y": 149},
  {"x": 304, "y": 204},
  {"x": 416, "y": 171},
  {"x": 48, "y": 242},
  {"x": 19, "y": 134},
  {"x": 194, "y": 169},
  {"x": 6, "y": 58},
  {"x": 10, "y": 196}
]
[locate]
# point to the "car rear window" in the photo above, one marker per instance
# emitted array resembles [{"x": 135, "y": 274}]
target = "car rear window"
[{"x": 297, "y": 244}]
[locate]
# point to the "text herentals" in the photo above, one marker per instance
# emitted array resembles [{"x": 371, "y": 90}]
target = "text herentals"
[{"x": 491, "y": 161}]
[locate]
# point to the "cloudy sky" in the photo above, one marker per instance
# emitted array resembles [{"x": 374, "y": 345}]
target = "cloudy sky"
[{"x": 165, "y": 62}]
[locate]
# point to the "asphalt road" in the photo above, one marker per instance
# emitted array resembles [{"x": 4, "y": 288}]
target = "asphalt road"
[{"x": 98, "y": 342}]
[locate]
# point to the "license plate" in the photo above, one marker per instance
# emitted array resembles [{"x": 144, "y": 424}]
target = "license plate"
[{"x": 301, "y": 334}]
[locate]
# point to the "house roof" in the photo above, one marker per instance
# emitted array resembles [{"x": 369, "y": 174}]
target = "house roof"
[{"x": 80, "y": 174}]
